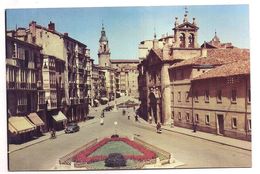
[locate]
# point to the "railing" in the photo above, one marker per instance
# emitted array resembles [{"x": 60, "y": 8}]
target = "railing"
[
  {"x": 67, "y": 159},
  {"x": 152, "y": 147}
]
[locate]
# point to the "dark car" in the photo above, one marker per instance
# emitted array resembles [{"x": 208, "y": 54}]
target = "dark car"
[
  {"x": 72, "y": 127},
  {"x": 108, "y": 108}
]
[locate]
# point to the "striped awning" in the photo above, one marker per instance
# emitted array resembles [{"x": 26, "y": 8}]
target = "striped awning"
[
  {"x": 59, "y": 117},
  {"x": 35, "y": 119},
  {"x": 19, "y": 125}
]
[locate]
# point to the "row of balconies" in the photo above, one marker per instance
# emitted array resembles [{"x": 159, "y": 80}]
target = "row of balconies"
[{"x": 21, "y": 85}]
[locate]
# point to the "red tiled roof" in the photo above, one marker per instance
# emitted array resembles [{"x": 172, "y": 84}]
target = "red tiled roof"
[
  {"x": 216, "y": 57},
  {"x": 241, "y": 67}
]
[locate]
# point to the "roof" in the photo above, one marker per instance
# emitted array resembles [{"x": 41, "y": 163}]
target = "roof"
[
  {"x": 241, "y": 67},
  {"x": 158, "y": 52},
  {"x": 23, "y": 42},
  {"x": 124, "y": 61},
  {"x": 216, "y": 57}
]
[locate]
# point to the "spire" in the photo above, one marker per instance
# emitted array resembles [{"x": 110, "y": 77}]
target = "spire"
[
  {"x": 102, "y": 25},
  {"x": 103, "y": 37},
  {"x": 186, "y": 14}
]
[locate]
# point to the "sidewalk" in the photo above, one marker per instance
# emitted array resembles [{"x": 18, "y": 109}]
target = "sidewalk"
[
  {"x": 94, "y": 111},
  {"x": 45, "y": 137},
  {"x": 241, "y": 144}
]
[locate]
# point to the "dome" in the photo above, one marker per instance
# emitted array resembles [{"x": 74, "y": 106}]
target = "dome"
[{"x": 103, "y": 38}]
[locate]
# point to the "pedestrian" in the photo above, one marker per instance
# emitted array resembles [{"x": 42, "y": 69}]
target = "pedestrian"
[
  {"x": 194, "y": 127},
  {"x": 101, "y": 121},
  {"x": 136, "y": 117},
  {"x": 158, "y": 127},
  {"x": 150, "y": 119},
  {"x": 128, "y": 116}
]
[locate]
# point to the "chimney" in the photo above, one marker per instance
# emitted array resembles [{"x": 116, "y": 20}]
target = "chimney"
[
  {"x": 204, "y": 50},
  {"x": 66, "y": 34},
  {"x": 51, "y": 26},
  {"x": 32, "y": 28}
]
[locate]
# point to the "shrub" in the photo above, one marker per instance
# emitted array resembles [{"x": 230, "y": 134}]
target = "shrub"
[{"x": 115, "y": 160}]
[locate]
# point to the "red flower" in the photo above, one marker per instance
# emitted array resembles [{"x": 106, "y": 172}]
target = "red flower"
[{"x": 83, "y": 156}]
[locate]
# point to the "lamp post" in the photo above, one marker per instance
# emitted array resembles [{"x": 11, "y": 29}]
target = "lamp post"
[{"x": 115, "y": 123}]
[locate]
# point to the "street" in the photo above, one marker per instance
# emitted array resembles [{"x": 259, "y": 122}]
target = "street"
[{"x": 193, "y": 152}]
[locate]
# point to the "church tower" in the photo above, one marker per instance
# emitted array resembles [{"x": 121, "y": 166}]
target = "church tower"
[
  {"x": 186, "y": 33},
  {"x": 103, "y": 51}
]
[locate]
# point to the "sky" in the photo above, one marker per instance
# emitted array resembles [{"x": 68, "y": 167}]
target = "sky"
[{"x": 126, "y": 27}]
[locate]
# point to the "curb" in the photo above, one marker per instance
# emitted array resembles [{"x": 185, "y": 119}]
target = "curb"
[
  {"x": 187, "y": 134},
  {"x": 239, "y": 147},
  {"x": 45, "y": 139}
]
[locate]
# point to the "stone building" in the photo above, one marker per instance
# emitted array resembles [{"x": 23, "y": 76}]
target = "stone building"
[
  {"x": 119, "y": 73},
  {"x": 156, "y": 89},
  {"x": 24, "y": 85},
  {"x": 99, "y": 84},
  {"x": 66, "y": 73},
  {"x": 212, "y": 92},
  {"x": 105, "y": 64},
  {"x": 126, "y": 76}
]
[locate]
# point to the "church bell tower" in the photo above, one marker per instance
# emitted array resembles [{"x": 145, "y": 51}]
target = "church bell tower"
[{"x": 103, "y": 51}]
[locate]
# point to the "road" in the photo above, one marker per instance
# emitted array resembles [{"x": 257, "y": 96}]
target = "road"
[{"x": 193, "y": 152}]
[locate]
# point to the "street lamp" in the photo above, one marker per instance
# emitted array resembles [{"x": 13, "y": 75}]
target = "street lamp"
[{"x": 115, "y": 123}]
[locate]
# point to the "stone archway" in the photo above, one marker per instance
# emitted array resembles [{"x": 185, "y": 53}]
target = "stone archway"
[{"x": 153, "y": 106}]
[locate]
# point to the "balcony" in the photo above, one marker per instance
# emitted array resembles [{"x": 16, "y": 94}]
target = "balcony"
[{"x": 11, "y": 85}]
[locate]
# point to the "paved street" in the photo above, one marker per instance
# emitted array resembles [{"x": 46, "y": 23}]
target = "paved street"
[{"x": 193, "y": 152}]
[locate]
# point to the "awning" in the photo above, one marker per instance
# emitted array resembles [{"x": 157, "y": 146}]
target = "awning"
[
  {"x": 20, "y": 125},
  {"x": 35, "y": 119},
  {"x": 59, "y": 117}
]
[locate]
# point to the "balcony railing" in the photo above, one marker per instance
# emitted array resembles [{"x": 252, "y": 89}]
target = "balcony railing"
[{"x": 21, "y": 85}]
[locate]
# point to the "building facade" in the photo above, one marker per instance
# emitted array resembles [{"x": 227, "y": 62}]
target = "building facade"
[
  {"x": 24, "y": 85},
  {"x": 126, "y": 76},
  {"x": 212, "y": 93},
  {"x": 156, "y": 89},
  {"x": 65, "y": 74}
]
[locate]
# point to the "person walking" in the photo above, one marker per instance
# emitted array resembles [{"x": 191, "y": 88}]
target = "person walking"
[{"x": 158, "y": 128}]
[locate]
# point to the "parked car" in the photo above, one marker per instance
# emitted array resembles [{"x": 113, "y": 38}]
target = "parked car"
[
  {"x": 72, "y": 127},
  {"x": 108, "y": 108}
]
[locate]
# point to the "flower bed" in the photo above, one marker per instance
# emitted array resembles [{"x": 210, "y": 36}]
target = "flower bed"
[{"x": 84, "y": 156}]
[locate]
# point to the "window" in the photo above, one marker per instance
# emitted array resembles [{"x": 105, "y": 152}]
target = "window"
[
  {"x": 196, "y": 118},
  {"x": 187, "y": 96},
  {"x": 179, "y": 115},
  {"x": 207, "y": 119},
  {"x": 206, "y": 96},
  {"x": 41, "y": 99},
  {"x": 234, "y": 123},
  {"x": 172, "y": 115},
  {"x": 187, "y": 116},
  {"x": 233, "y": 95},
  {"x": 219, "y": 96},
  {"x": 196, "y": 98},
  {"x": 249, "y": 124},
  {"x": 14, "y": 50},
  {"x": 182, "y": 40},
  {"x": 179, "y": 96}
]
